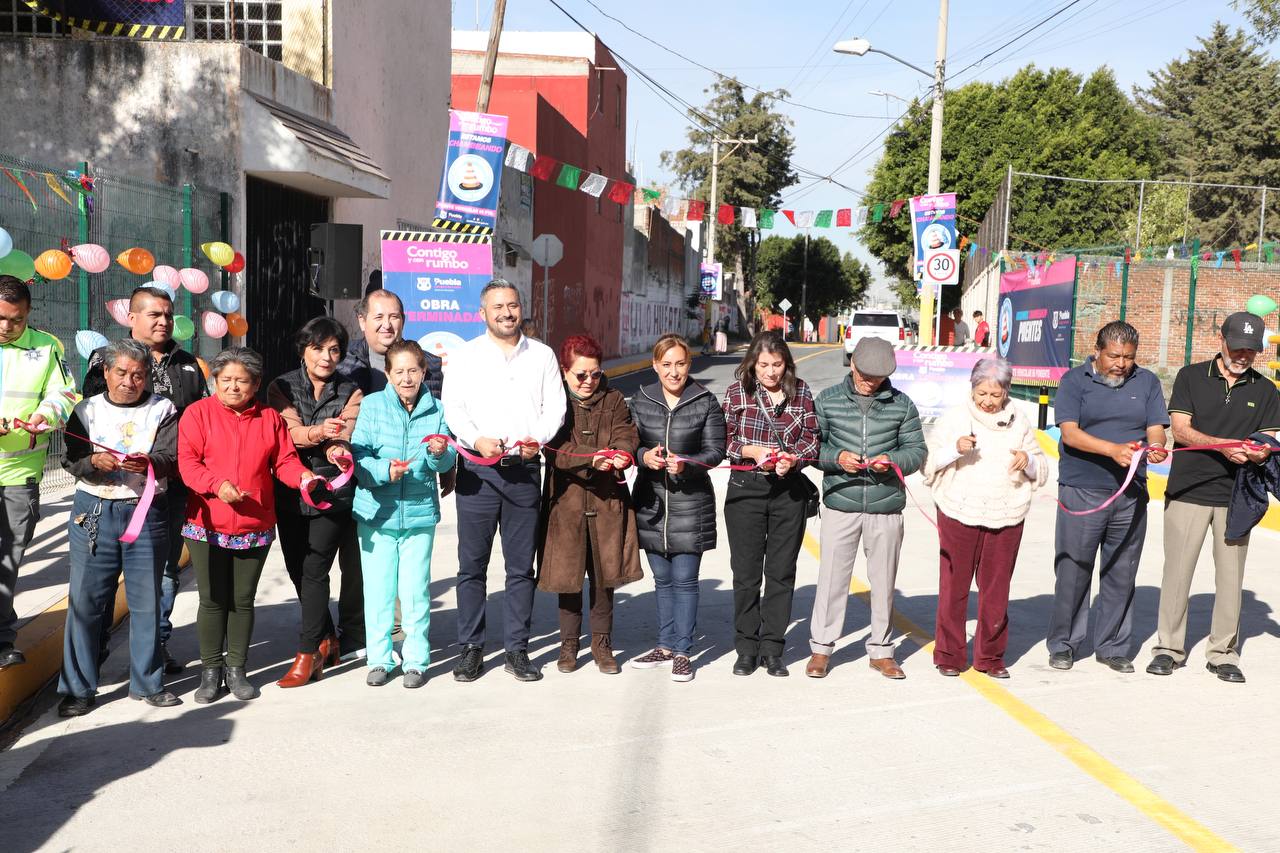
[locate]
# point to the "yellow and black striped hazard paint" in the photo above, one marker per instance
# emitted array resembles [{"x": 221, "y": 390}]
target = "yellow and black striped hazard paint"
[
  {"x": 111, "y": 28},
  {"x": 435, "y": 237},
  {"x": 460, "y": 227}
]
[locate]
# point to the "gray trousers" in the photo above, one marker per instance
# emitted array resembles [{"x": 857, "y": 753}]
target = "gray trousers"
[
  {"x": 881, "y": 538},
  {"x": 1118, "y": 531},
  {"x": 17, "y": 525},
  {"x": 1185, "y": 526}
]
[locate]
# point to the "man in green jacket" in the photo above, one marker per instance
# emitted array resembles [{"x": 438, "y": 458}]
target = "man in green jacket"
[
  {"x": 866, "y": 426},
  {"x": 35, "y": 388}
]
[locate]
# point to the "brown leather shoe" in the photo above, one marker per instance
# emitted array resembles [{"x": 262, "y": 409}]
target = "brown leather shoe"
[
  {"x": 998, "y": 672},
  {"x": 888, "y": 667},
  {"x": 817, "y": 667},
  {"x": 329, "y": 651},
  {"x": 306, "y": 668},
  {"x": 568, "y": 661},
  {"x": 602, "y": 651},
  {"x": 948, "y": 671}
]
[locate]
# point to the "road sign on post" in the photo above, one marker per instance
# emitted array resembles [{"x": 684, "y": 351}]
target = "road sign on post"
[
  {"x": 785, "y": 305},
  {"x": 942, "y": 266},
  {"x": 547, "y": 250}
]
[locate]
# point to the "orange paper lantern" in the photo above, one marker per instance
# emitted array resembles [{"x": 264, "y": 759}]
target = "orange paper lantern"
[
  {"x": 54, "y": 264},
  {"x": 237, "y": 325},
  {"x": 137, "y": 261}
]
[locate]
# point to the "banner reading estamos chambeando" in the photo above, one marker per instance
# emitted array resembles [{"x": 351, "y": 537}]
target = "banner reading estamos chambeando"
[
  {"x": 933, "y": 226},
  {"x": 1034, "y": 323},
  {"x": 438, "y": 277},
  {"x": 468, "y": 200}
]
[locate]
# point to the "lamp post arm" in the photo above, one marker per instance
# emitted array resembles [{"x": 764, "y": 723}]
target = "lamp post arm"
[{"x": 901, "y": 61}]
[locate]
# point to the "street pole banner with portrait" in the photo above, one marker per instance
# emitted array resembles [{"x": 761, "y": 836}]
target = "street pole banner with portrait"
[
  {"x": 472, "y": 177},
  {"x": 710, "y": 281},
  {"x": 1033, "y": 326},
  {"x": 933, "y": 226},
  {"x": 438, "y": 277}
]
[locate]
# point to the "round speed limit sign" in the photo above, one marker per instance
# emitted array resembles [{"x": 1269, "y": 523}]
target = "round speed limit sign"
[{"x": 942, "y": 266}]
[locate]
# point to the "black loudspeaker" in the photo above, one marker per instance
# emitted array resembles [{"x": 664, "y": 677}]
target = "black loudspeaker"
[{"x": 334, "y": 259}]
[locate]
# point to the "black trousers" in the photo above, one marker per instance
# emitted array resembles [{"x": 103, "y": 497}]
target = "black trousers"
[
  {"x": 309, "y": 544},
  {"x": 765, "y": 519}
]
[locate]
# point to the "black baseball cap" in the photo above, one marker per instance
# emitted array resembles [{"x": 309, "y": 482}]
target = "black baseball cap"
[{"x": 1243, "y": 330}]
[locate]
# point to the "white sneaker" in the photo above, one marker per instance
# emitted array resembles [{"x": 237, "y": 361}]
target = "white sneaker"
[
  {"x": 681, "y": 668},
  {"x": 655, "y": 658},
  {"x": 358, "y": 654}
]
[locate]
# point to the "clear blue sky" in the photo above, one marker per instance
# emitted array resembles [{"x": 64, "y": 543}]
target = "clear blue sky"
[{"x": 772, "y": 44}]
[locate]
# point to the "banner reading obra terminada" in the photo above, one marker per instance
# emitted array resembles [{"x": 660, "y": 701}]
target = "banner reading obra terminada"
[
  {"x": 468, "y": 201},
  {"x": 1033, "y": 329},
  {"x": 936, "y": 379},
  {"x": 438, "y": 277},
  {"x": 933, "y": 226}
]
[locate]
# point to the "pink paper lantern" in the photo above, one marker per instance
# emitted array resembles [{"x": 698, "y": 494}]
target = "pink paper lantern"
[
  {"x": 91, "y": 257},
  {"x": 119, "y": 311},
  {"x": 215, "y": 325},
  {"x": 166, "y": 275},
  {"x": 193, "y": 279}
]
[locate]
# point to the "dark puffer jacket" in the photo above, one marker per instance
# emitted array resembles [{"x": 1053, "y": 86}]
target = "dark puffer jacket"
[
  {"x": 293, "y": 391},
  {"x": 890, "y": 426},
  {"x": 676, "y": 513}
]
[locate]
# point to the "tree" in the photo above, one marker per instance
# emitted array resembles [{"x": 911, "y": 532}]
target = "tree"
[
  {"x": 834, "y": 284},
  {"x": 1262, "y": 15},
  {"x": 1218, "y": 111},
  {"x": 1050, "y": 122},
  {"x": 752, "y": 176},
  {"x": 1166, "y": 218}
]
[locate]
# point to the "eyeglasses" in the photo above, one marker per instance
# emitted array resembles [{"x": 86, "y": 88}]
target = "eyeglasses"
[{"x": 584, "y": 376}]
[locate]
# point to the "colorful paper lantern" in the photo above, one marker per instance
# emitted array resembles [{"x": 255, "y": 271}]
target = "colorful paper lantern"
[
  {"x": 236, "y": 265},
  {"x": 237, "y": 325},
  {"x": 6, "y": 243},
  {"x": 1261, "y": 305},
  {"x": 91, "y": 257},
  {"x": 88, "y": 341},
  {"x": 167, "y": 276},
  {"x": 137, "y": 261},
  {"x": 53, "y": 264},
  {"x": 225, "y": 301},
  {"x": 119, "y": 311},
  {"x": 215, "y": 325},
  {"x": 193, "y": 280},
  {"x": 220, "y": 253},
  {"x": 18, "y": 264},
  {"x": 183, "y": 329}
]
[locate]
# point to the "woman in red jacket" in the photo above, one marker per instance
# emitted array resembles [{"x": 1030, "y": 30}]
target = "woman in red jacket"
[{"x": 228, "y": 447}]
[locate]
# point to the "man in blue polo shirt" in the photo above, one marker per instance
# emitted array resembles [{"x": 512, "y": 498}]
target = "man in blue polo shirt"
[{"x": 1105, "y": 408}]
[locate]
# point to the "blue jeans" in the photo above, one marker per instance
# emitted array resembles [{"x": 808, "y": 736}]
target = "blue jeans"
[
  {"x": 675, "y": 579},
  {"x": 98, "y": 559},
  {"x": 176, "y": 496}
]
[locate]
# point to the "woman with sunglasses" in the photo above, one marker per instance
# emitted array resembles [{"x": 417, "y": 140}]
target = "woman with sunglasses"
[
  {"x": 589, "y": 527},
  {"x": 681, "y": 439}
]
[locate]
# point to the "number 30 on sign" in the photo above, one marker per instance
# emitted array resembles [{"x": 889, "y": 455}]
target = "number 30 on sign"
[{"x": 942, "y": 266}]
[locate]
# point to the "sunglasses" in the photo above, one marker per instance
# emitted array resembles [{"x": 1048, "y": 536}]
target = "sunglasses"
[{"x": 584, "y": 376}]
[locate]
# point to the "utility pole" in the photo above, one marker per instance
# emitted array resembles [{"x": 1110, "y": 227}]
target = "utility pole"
[
  {"x": 716, "y": 160},
  {"x": 927, "y": 306},
  {"x": 491, "y": 56},
  {"x": 804, "y": 285}
]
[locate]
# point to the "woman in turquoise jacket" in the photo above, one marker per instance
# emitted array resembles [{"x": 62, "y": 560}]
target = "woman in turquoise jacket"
[{"x": 396, "y": 508}]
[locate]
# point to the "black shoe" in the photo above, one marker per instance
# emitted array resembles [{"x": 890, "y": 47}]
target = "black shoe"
[
  {"x": 470, "y": 665},
  {"x": 1119, "y": 664},
  {"x": 163, "y": 699},
  {"x": 238, "y": 684},
  {"x": 10, "y": 656},
  {"x": 210, "y": 685},
  {"x": 1061, "y": 660},
  {"x": 76, "y": 706},
  {"x": 746, "y": 664},
  {"x": 519, "y": 665},
  {"x": 773, "y": 665},
  {"x": 1162, "y": 665},
  {"x": 1226, "y": 672},
  {"x": 171, "y": 664}
]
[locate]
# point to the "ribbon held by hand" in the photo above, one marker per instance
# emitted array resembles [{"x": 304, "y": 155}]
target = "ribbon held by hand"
[{"x": 333, "y": 485}]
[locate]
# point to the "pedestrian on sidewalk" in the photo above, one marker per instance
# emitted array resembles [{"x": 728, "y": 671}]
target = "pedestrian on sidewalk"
[
  {"x": 981, "y": 330},
  {"x": 36, "y": 388},
  {"x": 588, "y": 524},
  {"x": 229, "y": 446},
  {"x": 960, "y": 328},
  {"x": 397, "y": 508},
  {"x": 143, "y": 428},
  {"x": 770, "y": 421},
  {"x": 504, "y": 398},
  {"x": 682, "y": 436},
  {"x": 174, "y": 374},
  {"x": 867, "y": 426},
  {"x": 1106, "y": 409},
  {"x": 319, "y": 407},
  {"x": 1216, "y": 401},
  {"x": 984, "y": 463}
]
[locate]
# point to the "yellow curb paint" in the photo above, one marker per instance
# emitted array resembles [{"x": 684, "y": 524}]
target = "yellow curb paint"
[
  {"x": 621, "y": 369},
  {"x": 1190, "y": 832}
]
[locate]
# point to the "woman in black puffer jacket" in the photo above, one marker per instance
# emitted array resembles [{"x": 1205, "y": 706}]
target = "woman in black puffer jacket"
[{"x": 682, "y": 436}]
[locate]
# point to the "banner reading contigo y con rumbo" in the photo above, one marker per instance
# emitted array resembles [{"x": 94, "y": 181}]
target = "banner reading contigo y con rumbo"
[{"x": 468, "y": 202}]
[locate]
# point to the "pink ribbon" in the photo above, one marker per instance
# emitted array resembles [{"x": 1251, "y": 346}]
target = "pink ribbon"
[{"x": 336, "y": 483}]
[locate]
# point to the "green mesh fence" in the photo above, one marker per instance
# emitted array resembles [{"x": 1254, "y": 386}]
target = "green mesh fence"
[{"x": 120, "y": 213}]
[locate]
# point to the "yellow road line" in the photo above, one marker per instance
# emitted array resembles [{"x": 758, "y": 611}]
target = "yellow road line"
[
  {"x": 1189, "y": 831},
  {"x": 822, "y": 351}
]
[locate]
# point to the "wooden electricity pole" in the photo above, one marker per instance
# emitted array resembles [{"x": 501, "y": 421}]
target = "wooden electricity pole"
[{"x": 491, "y": 56}]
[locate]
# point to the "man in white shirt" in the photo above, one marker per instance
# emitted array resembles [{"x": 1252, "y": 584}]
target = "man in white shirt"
[
  {"x": 962, "y": 328},
  {"x": 503, "y": 398}
]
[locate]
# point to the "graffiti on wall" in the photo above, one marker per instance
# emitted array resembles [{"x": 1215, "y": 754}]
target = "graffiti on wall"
[{"x": 643, "y": 321}]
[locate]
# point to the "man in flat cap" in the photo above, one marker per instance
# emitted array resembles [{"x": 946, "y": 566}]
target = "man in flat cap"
[{"x": 865, "y": 427}]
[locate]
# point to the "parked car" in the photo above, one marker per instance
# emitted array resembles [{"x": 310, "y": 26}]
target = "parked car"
[{"x": 888, "y": 325}]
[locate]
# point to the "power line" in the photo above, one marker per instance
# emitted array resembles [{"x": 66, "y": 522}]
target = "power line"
[{"x": 799, "y": 75}]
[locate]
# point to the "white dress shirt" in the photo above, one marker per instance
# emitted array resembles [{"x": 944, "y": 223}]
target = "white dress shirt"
[{"x": 491, "y": 393}]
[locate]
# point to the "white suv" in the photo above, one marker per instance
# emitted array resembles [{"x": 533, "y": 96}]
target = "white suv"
[{"x": 887, "y": 325}]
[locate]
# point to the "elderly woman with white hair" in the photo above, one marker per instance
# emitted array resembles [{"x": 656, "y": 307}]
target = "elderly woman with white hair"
[{"x": 983, "y": 465}]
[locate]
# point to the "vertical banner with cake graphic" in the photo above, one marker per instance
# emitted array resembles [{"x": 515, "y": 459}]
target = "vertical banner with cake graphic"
[
  {"x": 933, "y": 226},
  {"x": 468, "y": 200},
  {"x": 438, "y": 277}
]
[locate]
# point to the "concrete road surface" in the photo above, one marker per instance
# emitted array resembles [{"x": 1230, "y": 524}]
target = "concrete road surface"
[{"x": 1085, "y": 760}]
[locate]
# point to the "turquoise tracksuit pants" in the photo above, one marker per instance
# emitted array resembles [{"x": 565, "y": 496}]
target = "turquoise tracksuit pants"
[{"x": 397, "y": 562}]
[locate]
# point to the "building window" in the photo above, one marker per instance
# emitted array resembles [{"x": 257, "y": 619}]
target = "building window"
[
  {"x": 18, "y": 19},
  {"x": 617, "y": 111},
  {"x": 257, "y": 24}
]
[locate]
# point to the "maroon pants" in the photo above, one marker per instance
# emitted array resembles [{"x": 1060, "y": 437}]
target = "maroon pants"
[{"x": 964, "y": 551}]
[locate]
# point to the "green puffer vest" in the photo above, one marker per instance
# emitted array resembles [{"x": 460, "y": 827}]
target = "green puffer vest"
[{"x": 891, "y": 426}]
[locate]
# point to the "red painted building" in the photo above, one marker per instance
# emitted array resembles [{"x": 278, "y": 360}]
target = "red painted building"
[{"x": 565, "y": 98}]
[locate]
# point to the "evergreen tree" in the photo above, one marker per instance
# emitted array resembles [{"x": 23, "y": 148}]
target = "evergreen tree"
[{"x": 834, "y": 284}]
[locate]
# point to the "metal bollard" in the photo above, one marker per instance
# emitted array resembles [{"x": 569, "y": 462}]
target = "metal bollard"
[{"x": 1043, "y": 419}]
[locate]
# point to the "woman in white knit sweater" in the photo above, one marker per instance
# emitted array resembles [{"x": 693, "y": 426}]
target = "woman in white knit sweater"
[{"x": 984, "y": 463}]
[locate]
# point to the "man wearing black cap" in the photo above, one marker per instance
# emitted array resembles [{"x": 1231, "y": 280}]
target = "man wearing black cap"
[{"x": 1216, "y": 401}]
